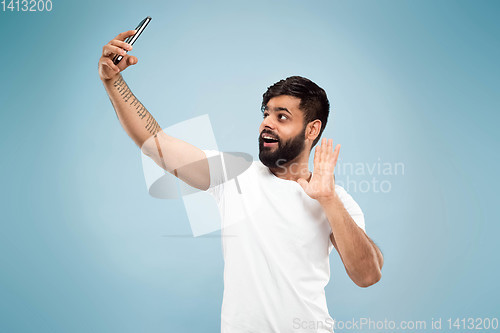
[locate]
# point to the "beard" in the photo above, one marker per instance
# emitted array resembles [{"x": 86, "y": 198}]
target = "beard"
[{"x": 274, "y": 157}]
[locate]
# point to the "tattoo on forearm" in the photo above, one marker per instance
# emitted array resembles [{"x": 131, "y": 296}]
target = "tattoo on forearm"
[{"x": 127, "y": 95}]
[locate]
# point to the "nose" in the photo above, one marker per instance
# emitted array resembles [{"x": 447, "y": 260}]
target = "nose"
[{"x": 267, "y": 122}]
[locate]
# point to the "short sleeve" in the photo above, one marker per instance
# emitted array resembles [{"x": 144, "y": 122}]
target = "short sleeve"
[
  {"x": 217, "y": 172},
  {"x": 352, "y": 208}
]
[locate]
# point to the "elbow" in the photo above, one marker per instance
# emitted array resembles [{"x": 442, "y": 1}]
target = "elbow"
[
  {"x": 373, "y": 275},
  {"x": 369, "y": 279},
  {"x": 368, "y": 271}
]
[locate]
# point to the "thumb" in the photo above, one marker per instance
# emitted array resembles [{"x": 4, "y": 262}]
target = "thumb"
[
  {"x": 131, "y": 60},
  {"x": 302, "y": 182}
]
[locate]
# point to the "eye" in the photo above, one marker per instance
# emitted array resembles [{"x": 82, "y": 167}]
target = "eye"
[
  {"x": 264, "y": 115},
  {"x": 282, "y": 115}
]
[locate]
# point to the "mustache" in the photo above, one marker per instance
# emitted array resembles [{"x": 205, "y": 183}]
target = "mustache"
[{"x": 270, "y": 133}]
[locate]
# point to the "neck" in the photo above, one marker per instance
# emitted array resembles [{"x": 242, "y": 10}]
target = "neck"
[{"x": 293, "y": 170}]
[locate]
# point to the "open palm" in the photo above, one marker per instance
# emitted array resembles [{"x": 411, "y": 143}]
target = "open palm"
[{"x": 322, "y": 184}]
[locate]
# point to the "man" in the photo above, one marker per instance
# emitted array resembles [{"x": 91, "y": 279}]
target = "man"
[{"x": 283, "y": 219}]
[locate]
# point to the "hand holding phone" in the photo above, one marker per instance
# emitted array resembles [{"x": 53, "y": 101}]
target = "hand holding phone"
[
  {"x": 116, "y": 50},
  {"x": 131, "y": 39}
]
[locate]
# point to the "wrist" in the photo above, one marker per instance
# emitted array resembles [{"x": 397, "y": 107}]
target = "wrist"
[
  {"x": 328, "y": 200},
  {"x": 111, "y": 78}
]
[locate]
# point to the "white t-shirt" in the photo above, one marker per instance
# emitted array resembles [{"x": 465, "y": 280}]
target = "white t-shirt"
[{"x": 276, "y": 245}]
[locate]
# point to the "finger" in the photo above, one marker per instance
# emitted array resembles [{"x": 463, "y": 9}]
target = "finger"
[
  {"x": 336, "y": 154},
  {"x": 316, "y": 157},
  {"x": 329, "y": 149},
  {"x": 108, "y": 50},
  {"x": 323, "y": 149},
  {"x": 319, "y": 150},
  {"x": 108, "y": 62},
  {"x": 124, "y": 35},
  {"x": 121, "y": 44}
]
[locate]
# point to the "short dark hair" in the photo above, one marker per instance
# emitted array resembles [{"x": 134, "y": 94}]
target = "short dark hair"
[{"x": 313, "y": 100}]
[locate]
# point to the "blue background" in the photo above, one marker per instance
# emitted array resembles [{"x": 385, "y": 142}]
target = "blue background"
[{"x": 84, "y": 248}]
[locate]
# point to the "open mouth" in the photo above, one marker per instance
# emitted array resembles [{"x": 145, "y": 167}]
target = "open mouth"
[{"x": 269, "y": 141}]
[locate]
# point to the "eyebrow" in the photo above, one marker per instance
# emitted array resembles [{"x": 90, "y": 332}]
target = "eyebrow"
[{"x": 278, "y": 108}]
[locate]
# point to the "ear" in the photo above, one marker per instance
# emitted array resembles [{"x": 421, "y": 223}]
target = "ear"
[{"x": 312, "y": 129}]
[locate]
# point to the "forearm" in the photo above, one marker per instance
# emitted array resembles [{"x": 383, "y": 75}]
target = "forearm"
[
  {"x": 176, "y": 156},
  {"x": 361, "y": 257},
  {"x": 133, "y": 116}
]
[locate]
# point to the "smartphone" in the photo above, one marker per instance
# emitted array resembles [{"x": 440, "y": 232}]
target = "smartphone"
[{"x": 131, "y": 40}]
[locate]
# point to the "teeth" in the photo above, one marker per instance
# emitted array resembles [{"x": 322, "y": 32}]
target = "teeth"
[{"x": 268, "y": 137}]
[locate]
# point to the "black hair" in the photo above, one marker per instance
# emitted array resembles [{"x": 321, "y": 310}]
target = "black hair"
[{"x": 313, "y": 100}]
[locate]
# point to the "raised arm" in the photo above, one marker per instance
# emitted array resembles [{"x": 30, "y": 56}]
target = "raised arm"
[
  {"x": 176, "y": 156},
  {"x": 362, "y": 259}
]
